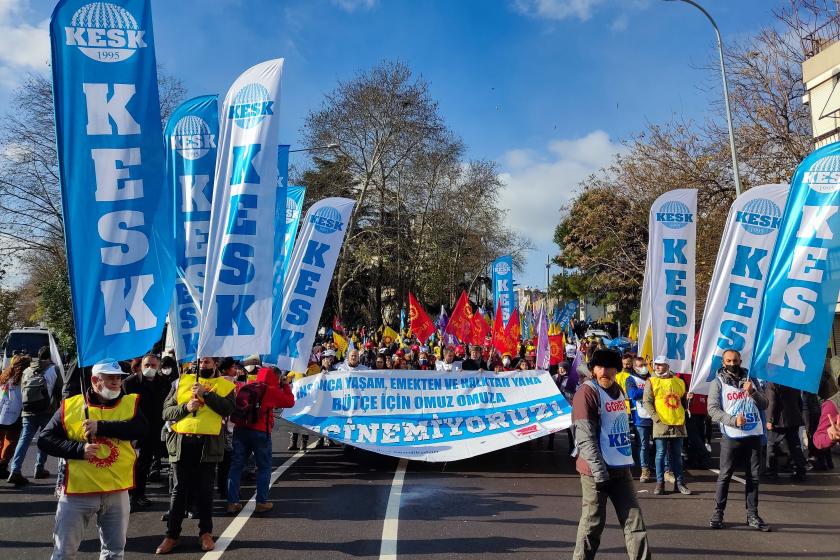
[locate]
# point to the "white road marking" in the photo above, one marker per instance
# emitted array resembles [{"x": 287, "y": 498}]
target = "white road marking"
[
  {"x": 388, "y": 550},
  {"x": 735, "y": 478},
  {"x": 238, "y": 523}
]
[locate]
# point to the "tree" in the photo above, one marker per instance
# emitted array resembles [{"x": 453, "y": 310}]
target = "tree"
[{"x": 31, "y": 220}]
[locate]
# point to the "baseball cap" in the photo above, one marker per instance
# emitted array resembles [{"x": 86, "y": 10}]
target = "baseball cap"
[
  {"x": 107, "y": 367},
  {"x": 661, "y": 360}
]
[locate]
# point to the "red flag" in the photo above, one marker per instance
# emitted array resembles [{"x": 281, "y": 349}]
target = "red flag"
[
  {"x": 460, "y": 322},
  {"x": 419, "y": 321},
  {"x": 513, "y": 332},
  {"x": 337, "y": 325},
  {"x": 480, "y": 329},
  {"x": 499, "y": 330},
  {"x": 558, "y": 349}
]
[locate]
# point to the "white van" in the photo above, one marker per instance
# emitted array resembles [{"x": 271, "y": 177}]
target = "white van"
[{"x": 29, "y": 340}]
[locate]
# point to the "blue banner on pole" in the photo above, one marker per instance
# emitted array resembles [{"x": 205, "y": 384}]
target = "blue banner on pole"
[
  {"x": 294, "y": 208},
  {"x": 280, "y": 239},
  {"x": 190, "y": 172},
  {"x": 117, "y": 208},
  {"x": 803, "y": 280},
  {"x": 503, "y": 286}
]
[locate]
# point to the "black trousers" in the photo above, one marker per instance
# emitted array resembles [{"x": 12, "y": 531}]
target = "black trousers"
[
  {"x": 696, "y": 451},
  {"x": 146, "y": 452},
  {"x": 785, "y": 441},
  {"x": 192, "y": 479},
  {"x": 734, "y": 452}
]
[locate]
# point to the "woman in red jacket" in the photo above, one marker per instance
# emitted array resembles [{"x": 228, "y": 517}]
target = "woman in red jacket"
[{"x": 253, "y": 435}]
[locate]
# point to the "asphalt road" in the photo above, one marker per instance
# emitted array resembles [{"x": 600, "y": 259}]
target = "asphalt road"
[{"x": 517, "y": 503}]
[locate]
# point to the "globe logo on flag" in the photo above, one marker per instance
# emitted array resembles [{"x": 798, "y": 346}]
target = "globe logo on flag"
[
  {"x": 292, "y": 210},
  {"x": 104, "y": 32},
  {"x": 191, "y": 138},
  {"x": 674, "y": 215},
  {"x": 824, "y": 176},
  {"x": 760, "y": 216},
  {"x": 327, "y": 220},
  {"x": 501, "y": 268},
  {"x": 250, "y": 106},
  {"x": 747, "y": 407}
]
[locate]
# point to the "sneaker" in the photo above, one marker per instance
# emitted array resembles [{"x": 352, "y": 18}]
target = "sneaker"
[
  {"x": 17, "y": 479},
  {"x": 682, "y": 488},
  {"x": 756, "y": 522},
  {"x": 645, "y": 477},
  {"x": 669, "y": 477},
  {"x": 660, "y": 489},
  {"x": 42, "y": 473},
  {"x": 140, "y": 502},
  {"x": 263, "y": 507},
  {"x": 234, "y": 508},
  {"x": 716, "y": 522}
]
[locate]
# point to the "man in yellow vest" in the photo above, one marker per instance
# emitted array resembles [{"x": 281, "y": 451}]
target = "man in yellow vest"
[
  {"x": 195, "y": 409},
  {"x": 664, "y": 400},
  {"x": 92, "y": 433}
]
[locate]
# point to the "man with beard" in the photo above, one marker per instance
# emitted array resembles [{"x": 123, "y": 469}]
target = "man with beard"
[{"x": 475, "y": 362}]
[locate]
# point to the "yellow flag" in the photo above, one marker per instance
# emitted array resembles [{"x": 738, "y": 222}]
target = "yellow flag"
[
  {"x": 633, "y": 334},
  {"x": 391, "y": 333},
  {"x": 340, "y": 343},
  {"x": 647, "y": 346}
]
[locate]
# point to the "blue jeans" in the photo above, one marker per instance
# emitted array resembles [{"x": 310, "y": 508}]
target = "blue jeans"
[
  {"x": 669, "y": 449},
  {"x": 31, "y": 426},
  {"x": 245, "y": 442},
  {"x": 643, "y": 442}
]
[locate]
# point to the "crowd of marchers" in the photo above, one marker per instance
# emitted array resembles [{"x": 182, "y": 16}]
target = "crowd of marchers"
[{"x": 207, "y": 424}]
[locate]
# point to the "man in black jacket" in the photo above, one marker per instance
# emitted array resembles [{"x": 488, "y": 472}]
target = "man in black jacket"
[
  {"x": 474, "y": 363},
  {"x": 784, "y": 417},
  {"x": 92, "y": 433}
]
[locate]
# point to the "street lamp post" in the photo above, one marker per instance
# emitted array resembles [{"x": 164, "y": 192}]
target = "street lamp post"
[{"x": 725, "y": 94}]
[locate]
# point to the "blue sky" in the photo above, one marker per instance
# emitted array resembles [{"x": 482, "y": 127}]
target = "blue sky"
[{"x": 547, "y": 88}]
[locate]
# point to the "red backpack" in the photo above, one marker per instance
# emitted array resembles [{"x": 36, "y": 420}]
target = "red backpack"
[{"x": 248, "y": 408}]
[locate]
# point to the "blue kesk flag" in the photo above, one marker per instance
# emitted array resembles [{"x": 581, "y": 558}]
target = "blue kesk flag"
[
  {"x": 117, "y": 205},
  {"x": 503, "y": 286},
  {"x": 191, "y": 135},
  {"x": 804, "y": 277},
  {"x": 294, "y": 206}
]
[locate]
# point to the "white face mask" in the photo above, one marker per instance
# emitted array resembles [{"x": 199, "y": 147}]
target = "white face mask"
[
  {"x": 642, "y": 370},
  {"x": 166, "y": 371},
  {"x": 108, "y": 394},
  {"x": 149, "y": 372},
  {"x": 506, "y": 361},
  {"x": 250, "y": 369}
]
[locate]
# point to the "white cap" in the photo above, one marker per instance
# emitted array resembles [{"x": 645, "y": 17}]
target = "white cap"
[
  {"x": 328, "y": 353},
  {"x": 661, "y": 360},
  {"x": 107, "y": 367}
]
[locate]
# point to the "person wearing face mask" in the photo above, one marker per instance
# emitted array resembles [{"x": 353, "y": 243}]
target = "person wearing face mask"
[
  {"x": 152, "y": 390},
  {"x": 602, "y": 436},
  {"x": 423, "y": 362},
  {"x": 196, "y": 406},
  {"x": 507, "y": 362},
  {"x": 735, "y": 402},
  {"x": 635, "y": 390},
  {"x": 92, "y": 433},
  {"x": 251, "y": 364}
]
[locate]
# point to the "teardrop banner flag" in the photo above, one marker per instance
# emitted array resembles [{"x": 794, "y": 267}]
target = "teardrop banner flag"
[
  {"x": 308, "y": 281},
  {"x": 733, "y": 302},
  {"x": 247, "y": 220},
  {"x": 294, "y": 209},
  {"x": 671, "y": 263},
  {"x": 503, "y": 285},
  {"x": 116, "y": 204},
  {"x": 191, "y": 134},
  {"x": 804, "y": 278}
]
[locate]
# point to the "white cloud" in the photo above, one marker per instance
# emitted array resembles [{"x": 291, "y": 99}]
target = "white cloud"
[
  {"x": 538, "y": 184},
  {"x": 557, "y": 9},
  {"x": 620, "y": 23},
  {"x": 24, "y": 45},
  {"x": 353, "y": 5}
]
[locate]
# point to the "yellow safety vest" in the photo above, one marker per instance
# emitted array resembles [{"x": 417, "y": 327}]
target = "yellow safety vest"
[
  {"x": 622, "y": 382},
  {"x": 205, "y": 421},
  {"x": 667, "y": 395},
  {"x": 112, "y": 470}
]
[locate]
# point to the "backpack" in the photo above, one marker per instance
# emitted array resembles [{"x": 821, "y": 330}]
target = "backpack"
[
  {"x": 35, "y": 394},
  {"x": 248, "y": 409}
]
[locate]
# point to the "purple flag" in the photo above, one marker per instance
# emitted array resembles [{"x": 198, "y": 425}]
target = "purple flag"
[
  {"x": 577, "y": 365},
  {"x": 543, "y": 345}
]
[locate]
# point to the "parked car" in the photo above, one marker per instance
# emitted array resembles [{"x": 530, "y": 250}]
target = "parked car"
[{"x": 29, "y": 340}]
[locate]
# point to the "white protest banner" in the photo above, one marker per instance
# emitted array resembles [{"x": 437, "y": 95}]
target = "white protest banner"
[
  {"x": 671, "y": 263},
  {"x": 427, "y": 416},
  {"x": 246, "y": 229},
  {"x": 308, "y": 280},
  {"x": 730, "y": 319}
]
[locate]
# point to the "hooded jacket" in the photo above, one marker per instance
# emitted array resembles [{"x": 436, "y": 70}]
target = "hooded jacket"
[{"x": 274, "y": 397}]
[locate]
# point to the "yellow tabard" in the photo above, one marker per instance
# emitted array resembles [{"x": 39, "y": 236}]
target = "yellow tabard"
[
  {"x": 204, "y": 421},
  {"x": 112, "y": 470},
  {"x": 621, "y": 377},
  {"x": 667, "y": 395}
]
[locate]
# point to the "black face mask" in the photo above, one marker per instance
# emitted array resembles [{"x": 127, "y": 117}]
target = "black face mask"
[
  {"x": 732, "y": 368},
  {"x": 206, "y": 373}
]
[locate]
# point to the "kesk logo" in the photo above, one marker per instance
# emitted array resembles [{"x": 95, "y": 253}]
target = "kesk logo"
[
  {"x": 104, "y": 32},
  {"x": 750, "y": 411},
  {"x": 191, "y": 138},
  {"x": 250, "y": 106},
  {"x": 618, "y": 436},
  {"x": 674, "y": 215},
  {"x": 327, "y": 220},
  {"x": 759, "y": 216},
  {"x": 292, "y": 210},
  {"x": 824, "y": 176},
  {"x": 502, "y": 268}
]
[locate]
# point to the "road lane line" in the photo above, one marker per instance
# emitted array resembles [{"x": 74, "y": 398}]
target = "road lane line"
[
  {"x": 239, "y": 521},
  {"x": 735, "y": 478},
  {"x": 388, "y": 550}
]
